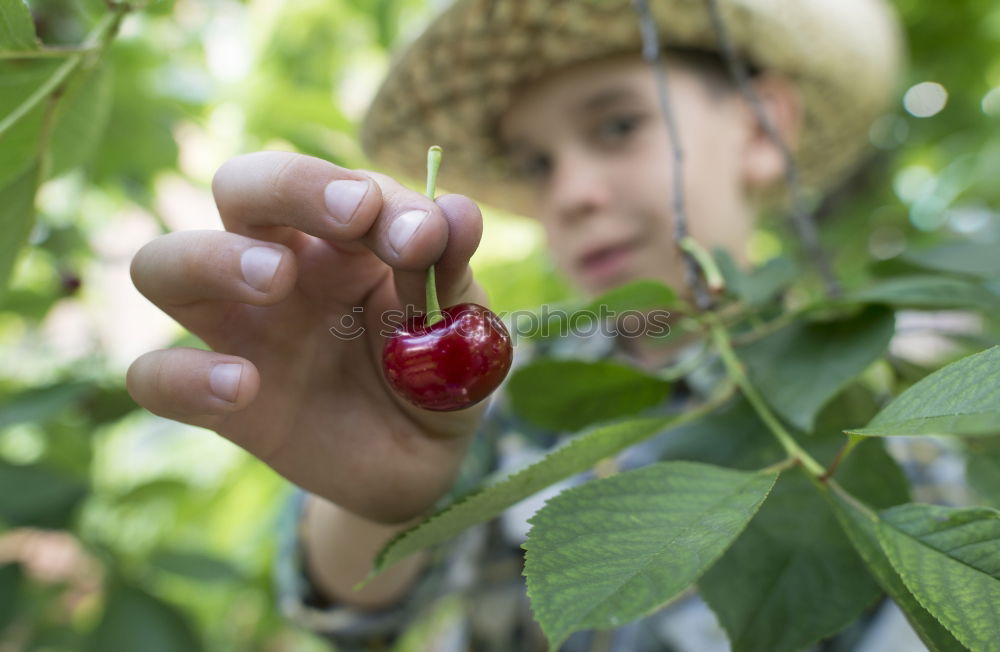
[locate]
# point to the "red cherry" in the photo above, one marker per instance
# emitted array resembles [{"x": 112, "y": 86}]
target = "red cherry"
[{"x": 451, "y": 364}]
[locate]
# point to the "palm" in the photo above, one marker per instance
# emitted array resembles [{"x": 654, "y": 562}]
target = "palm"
[{"x": 324, "y": 417}]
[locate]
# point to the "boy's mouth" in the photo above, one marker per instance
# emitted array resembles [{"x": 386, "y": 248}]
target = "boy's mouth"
[{"x": 607, "y": 261}]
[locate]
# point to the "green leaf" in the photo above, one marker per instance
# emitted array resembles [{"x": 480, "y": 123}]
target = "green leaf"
[
  {"x": 80, "y": 120},
  {"x": 950, "y": 559},
  {"x": 18, "y": 200},
  {"x": 578, "y": 455},
  {"x": 962, "y": 398},
  {"x": 792, "y": 578},
  {"x": 570, "y": 394},
  {"x": 760, "y": 611},
  {"x": 141, "y": 112},
  {"x": 759, "y": 286},
  {"x": 929, "y": 292},
  {"x": 982, "y": 469},
  {"x": 10, "y": 588},
  {"x": 612, "y": 550},
  {"x": 17, "y": 29},
  {"x": 109, "y": 404},
  {"x": 799, "y": 368},
  {"x": 19, "y": 143},
  {"x": 134, "y": 619},
  {"x": 637, "y": 296},
  {"x": 961, "y": 257},
  {"x": 195, "y": 565},
  {"x": 38, "y": 496},
  {"x": 732, "y": 436},
  {"x": 860, "y": 525},
  {"x": 39, "y": 403}
]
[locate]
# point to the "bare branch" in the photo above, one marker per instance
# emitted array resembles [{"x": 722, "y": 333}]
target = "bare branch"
[
  {"x": 802, "y": 217},
  {"x": 651, "y": 53}
]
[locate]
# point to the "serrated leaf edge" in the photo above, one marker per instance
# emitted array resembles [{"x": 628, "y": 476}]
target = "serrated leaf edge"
[
  {"x": 879, "y": 431},
  {"x": 554, "y": 644},
  {"x": 386, "y": 558}
]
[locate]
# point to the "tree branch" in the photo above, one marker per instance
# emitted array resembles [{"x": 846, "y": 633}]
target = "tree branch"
[
  {"x": 651, "y": 53},
  {"x": 802, "y": 217}
]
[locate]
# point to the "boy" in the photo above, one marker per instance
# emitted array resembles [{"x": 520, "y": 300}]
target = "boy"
[{"x": 542, "y": 107}]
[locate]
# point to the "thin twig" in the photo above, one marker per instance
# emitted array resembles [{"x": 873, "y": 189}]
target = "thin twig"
[
  {"x": 651, "y": 53},
  {"x": 845, "y": 450},
  {"x": 802, "y": 217}
]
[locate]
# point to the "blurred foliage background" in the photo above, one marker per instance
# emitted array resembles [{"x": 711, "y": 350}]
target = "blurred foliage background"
[{"x": 123, "y": 531}]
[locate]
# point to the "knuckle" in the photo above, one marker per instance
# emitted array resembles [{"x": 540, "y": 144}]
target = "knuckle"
[{"x": 285, "y": 169}]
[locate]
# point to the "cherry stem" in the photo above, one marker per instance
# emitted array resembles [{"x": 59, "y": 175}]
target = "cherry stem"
[{"x": 433, "y": 307}]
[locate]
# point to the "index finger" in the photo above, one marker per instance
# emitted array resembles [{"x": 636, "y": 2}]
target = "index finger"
[{"x": 263, "y": 190}]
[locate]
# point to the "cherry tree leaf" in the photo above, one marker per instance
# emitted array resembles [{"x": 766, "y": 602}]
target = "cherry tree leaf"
[
  {"x": 18, "y": 81},
  {"x": 135, "y": 619},
  {"x": 792, "y": 578},
  {"x": 39, "y": 496},
  {"x": 574, "y": 316},
  {"x": 982, "y": 469},
  {"x": 570, "y": 394},
  {"x": 578, "y": 455},
  {"x": 929, "y": 292},
  {"x": 961, "y": 257},
  {"x": 18, "y": 200},
  {"x": 949, "y": 559},
  {"x": 613, "y": 550},
  {"x": 962, "y": 398},
  {"x": 17, "y": 29},
  {"x": 860, "y": 524},
  {"x": 801, "y": 367}
]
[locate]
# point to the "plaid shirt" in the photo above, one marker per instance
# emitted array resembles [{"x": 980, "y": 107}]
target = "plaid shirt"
[{"x": 471, "y": 596}]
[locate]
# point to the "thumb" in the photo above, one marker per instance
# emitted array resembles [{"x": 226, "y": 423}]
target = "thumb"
[{"x": 192, "y": 386}]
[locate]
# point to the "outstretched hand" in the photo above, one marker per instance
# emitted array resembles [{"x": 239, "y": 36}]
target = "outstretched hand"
[{"x": 311, "y": 246}]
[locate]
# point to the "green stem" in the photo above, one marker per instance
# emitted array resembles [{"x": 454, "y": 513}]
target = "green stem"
[
  {"x": 783, "y": 465},
  {"x": 845, "y": 450},
  {"x": 855, "y": 503},
  {"x": 433, "y": 307},
  {"x": 735, "y": 368},
  {"x": 713, "y": 276}
]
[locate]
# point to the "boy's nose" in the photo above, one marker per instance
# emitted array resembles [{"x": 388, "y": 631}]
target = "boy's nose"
[{"x": 579, "y": 188}]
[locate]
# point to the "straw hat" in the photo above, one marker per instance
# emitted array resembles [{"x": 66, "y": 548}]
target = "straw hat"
[{"x": 451, "y": 85}]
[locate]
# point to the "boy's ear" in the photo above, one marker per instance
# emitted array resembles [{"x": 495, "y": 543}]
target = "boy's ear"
[{"x": 763, "y": 161}]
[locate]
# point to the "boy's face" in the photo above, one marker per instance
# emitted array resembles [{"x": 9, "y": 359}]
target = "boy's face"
[{"x": 593, "y": 146}]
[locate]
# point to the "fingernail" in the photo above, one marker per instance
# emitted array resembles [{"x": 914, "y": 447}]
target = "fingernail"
[
  {"x": 403, "y": 227},
  {"x": 225, "y": 380},
  {"x": 343, "y": 198},
  {"x": 259, "y": 265}
]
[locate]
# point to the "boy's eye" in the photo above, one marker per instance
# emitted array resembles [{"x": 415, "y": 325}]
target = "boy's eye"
[
  {"x": 531, "y": 168},
  {"x": 616, "y": 128}
]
